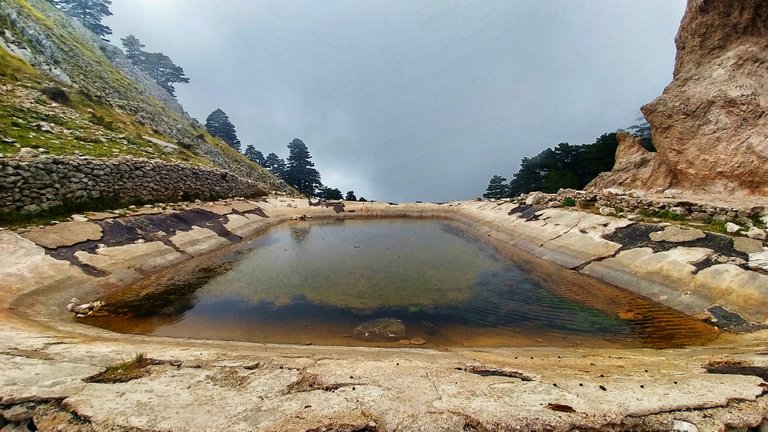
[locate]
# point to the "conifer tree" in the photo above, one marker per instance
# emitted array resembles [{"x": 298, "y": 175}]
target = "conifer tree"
[
  {"x": 330, "y": 193},
  {"x": 275, "y": 165},
  {"x": 133, "y": 49},
  {"x": 350, "y": 196},
  {"x": 300, "y": 172},
  {"x": 254, "y": 155},
  {"x": 218, "y": 125},
  {"x": 90, "y": 13},
  {"x": 165, "y": 73},
  {"x": 496, "y": 188}
]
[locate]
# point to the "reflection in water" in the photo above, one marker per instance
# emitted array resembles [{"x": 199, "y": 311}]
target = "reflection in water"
[{"x": 449, "y": 289}]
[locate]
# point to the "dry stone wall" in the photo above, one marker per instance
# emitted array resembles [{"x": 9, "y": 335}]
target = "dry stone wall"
[{"x": 33, "y": 185}]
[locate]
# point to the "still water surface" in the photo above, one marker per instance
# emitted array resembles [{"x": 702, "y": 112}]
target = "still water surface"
[{"x": 314, "y": 282}]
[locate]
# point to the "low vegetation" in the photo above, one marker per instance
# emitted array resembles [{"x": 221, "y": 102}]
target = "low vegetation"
[{"x": 124, "y": 371}]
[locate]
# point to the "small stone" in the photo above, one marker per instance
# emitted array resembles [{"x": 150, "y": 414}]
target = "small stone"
[
  {"x": 756, "y": 233},
  {"x": 614, "y": 191},
  {"x": 554, "y": 204},
  {"x": 418, "y": 341},
  {"x": 731, "y": 227},
  {"x": 26, "y": 152},
  {"x": 684, "y": 426},
  {"x": 607, "y": 211},
  {"x": 79, "y": 218},
  {"x": 634, "y": 217},
  {"x": 7, "y": 140}
]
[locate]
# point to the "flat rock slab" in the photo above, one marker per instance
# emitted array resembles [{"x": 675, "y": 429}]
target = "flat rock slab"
[
  {"x": 676, "y": 234},
  {"x": 97, "y": 216},
  {"x": 26, "y": 266},
  {"x": 574, "y": 249},
  {"x": 218, "y": 209},
  {"x": 197, "y": 241},
  {"x": 144, "y": 256},
  {"x": 26, "y": 379},
  {"x": 747, "y": 245},
  {"x": 243, "y": 206},
  {"x": 64, "y": 234}
]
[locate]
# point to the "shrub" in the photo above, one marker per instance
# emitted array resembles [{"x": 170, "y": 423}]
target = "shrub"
[
  {"x": 57, "y": 95},
  {"x": 568, "y": 202}
]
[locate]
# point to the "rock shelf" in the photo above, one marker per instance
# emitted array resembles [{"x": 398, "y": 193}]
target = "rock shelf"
[{"x": 202, "y": 385}]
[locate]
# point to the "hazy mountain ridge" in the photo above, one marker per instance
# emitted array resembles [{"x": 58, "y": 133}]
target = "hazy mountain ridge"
[{"x": 81, "y": 95}]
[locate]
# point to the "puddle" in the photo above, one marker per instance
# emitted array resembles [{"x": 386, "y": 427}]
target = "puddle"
[{"x": 428, "y": 281}]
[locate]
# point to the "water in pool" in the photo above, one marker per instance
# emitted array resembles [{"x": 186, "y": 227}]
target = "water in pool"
[{"x": 393, "y": 282}]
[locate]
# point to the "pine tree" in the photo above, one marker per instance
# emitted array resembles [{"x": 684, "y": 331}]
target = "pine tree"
[
  {"x": 330, "y": 193},
  {"x": 133, "y": 49},
  {"x": 350, "y": 196},
  {"x": 496, "y": 188},
  {"x": 161, "y": 68},
  {"x": 218, "y": 125},
  {"x": 89, "y": 13},
  {"x": 300, "y": 172},
  {"x": 254, "y": 155},
  {"x": 275, "y": 165}
]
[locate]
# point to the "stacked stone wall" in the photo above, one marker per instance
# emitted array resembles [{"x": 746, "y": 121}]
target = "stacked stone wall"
[{"x": 36, "y": 184}]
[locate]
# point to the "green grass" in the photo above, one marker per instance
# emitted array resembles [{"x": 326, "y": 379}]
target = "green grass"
[
  {"x": 665, "y": 215},
  {"x": 124, "y": 371},
  {"x": 568, "y": 202}
]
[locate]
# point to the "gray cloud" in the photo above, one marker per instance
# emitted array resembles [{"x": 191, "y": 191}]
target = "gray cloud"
[{"x": 403, "y": 100}]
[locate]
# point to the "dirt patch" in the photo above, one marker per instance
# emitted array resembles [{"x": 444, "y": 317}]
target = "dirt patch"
[
  {"x": 736, "y": 367},
  {"x": 228, "y": 378},
  {"x": 726, "y": 320},
  {"x": 491, "y": 371},
  {"x": 308, "y": 382},
  {"x": 638, "y": 234},
  {"x": 344, "y": 427}
]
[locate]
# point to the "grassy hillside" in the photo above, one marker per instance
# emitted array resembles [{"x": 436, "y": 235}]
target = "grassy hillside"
[{"x": 65, "y": 92}]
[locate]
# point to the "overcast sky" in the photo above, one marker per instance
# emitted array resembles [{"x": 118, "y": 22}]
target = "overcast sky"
[{"x": 413, "y": 100}]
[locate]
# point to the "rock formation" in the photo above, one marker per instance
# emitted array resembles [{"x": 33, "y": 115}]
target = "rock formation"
[
  {"x": 635, "y": 168},
  {"x": 710, "y": 126}
]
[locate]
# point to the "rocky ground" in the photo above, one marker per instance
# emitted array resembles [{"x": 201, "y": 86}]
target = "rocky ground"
[{"x": 56, "y": 366}]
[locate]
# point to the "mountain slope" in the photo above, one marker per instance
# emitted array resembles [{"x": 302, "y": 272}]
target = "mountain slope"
[{"x": 66, "y": 92}]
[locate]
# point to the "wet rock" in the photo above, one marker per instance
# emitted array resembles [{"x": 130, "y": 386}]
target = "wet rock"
[
  {"x": 382, "y": 328},
  {"x": 64, "y": 234},
  {"x": 677, "y": 234}
]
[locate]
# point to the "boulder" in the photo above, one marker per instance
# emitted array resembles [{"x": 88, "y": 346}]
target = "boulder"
[
  {"x": 756, "y": 233},
  {"x": 677, "y": 234},
  {"x": 732, "y": 228}
]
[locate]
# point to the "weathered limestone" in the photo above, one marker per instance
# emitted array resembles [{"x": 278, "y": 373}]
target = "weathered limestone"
[
  {"x": 662, "y": 276},
  {"x": 63, "y": 234},
  {"x": 404, "y": 389},
  {"x": 197, "y": 240},
  {"x": 244, "y": 226},
  {"x": 142, "y": 256},
  {"x": 735, "y": 289},
  {"x": 677, "y": 234}
]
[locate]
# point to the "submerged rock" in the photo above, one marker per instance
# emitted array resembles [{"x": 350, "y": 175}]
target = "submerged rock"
[{"x": 382, "y": 328}]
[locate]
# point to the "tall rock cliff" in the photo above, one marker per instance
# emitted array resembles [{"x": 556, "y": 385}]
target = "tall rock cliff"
[
  {"x": 710, "y": 126},
  {"x": 64, "y": 91}
]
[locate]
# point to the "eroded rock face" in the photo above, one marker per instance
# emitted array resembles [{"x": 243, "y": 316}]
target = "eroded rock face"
[
  {"x": 710, "y": 126},
  {"x": 635, "y": 168}
]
